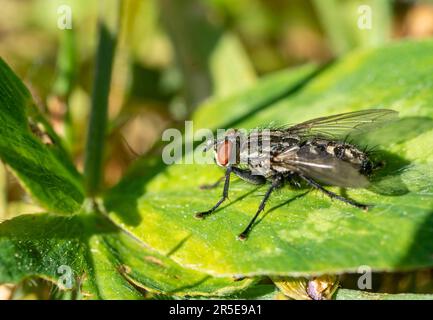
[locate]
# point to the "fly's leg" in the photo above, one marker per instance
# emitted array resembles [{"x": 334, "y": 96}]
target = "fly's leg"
[
  {"x": 276, "y": 183},
  {"x": 245, "y": 175},
  {"x": 333, "y": 195},
  {"x": 201, "y": 215},
  {"x": 213, "y": 185}
]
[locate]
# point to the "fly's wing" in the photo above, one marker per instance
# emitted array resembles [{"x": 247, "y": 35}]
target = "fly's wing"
[
  {"x": 324, "y": 168},
  {"x": 341, "y": 125}
]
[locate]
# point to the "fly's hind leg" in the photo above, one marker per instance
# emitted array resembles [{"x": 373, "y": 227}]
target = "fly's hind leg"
[{"x": 333, "y": 195}]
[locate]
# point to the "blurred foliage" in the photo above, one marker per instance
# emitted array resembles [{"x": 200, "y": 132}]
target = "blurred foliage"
[{"x": 176, "y": 59}]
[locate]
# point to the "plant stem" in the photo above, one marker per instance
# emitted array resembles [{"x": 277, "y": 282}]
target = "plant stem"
[{"x": 108, "y": 29}]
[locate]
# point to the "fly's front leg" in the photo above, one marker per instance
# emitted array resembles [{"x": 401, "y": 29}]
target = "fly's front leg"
[
  {"x": 333, "y": 195},
  {"x": 201, "y": 215}
]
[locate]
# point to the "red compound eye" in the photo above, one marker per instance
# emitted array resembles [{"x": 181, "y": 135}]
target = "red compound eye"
[{"x": 224, "y": 153}]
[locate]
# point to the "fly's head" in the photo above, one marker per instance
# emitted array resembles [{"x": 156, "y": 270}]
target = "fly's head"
[{"x": 227, "y": 149}]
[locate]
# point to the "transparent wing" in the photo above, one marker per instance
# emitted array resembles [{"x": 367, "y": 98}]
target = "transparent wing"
[
  {"x": 341, "y": 125},
  {"x": 324, "y": 168}
]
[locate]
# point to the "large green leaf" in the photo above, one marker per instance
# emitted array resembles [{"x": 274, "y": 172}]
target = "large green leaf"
[
  {"x": 104, "y": 262},
  {"x": 50, "y": 247},
  {"x": 301, "y": 232},
  {"x": 32, "y": 149}
]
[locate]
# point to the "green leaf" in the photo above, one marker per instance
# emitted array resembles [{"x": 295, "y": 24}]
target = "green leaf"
[
  {"x": 50, "y": 246},
  {"x": 32, "y": 149},
  {"x": 345, "y": 294},
  {"x": 302, "y": 232},
  {"x": 104, "y": 262},
  {"x": 108, "y": 29}
]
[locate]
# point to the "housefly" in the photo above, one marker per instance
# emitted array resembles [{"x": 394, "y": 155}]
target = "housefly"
[{"x": 315, "y": 152}]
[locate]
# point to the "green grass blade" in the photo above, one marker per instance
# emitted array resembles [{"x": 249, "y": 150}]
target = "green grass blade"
[{"x": 99, "y": 108}]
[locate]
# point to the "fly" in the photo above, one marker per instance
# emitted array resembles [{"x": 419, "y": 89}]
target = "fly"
[{"x": 315, "y": 152}]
